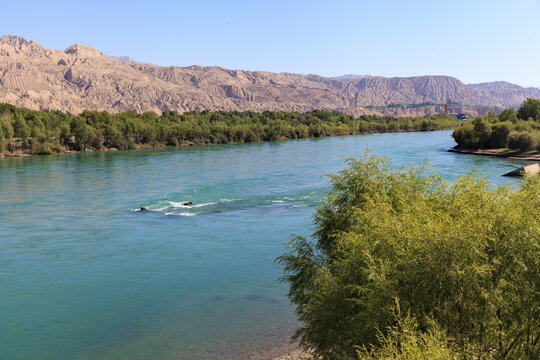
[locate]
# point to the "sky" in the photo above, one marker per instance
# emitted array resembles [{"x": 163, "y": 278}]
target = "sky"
[{"x": 475, "y": 40}]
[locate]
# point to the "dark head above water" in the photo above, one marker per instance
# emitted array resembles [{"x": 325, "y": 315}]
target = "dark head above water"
[
  {"x": 188, "y": 203},
  {"x": 142, "y": 208}
]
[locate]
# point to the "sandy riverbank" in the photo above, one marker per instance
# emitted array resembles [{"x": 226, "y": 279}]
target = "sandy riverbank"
[{"x": 295, "y": 354}]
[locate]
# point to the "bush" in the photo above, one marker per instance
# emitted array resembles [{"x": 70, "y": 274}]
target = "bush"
[
  {"x": 464, "y": 254},
  {"x": 522, "y": 141},
  {"x": 172, "y": 141},
  {"x": 499, "y": 134},
  {"x": 464, "y": 137},
  {"x": 404, "y": 341},
  {"x": 44, "y": 148}
]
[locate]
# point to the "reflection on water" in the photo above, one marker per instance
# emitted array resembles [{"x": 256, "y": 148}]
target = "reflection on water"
[{"x": 84, "y": 275}]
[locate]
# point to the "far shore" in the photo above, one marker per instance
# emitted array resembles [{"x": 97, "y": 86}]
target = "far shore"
[
  {"x": 23, "y": 153},
  {"x": 500, "y": 153}
]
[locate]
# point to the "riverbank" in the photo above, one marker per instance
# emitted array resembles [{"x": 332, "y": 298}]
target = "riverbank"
[
  {"x": 63, "y": 150},
  {"x": 29, "y": 132},
  {"x": 22, "y": 153},
  {"x": 295, "y": 354},
  {"x": 501, "y": 153}
]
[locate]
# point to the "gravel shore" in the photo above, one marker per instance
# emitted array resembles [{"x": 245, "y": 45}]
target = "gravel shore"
[{"x": 296, "y": 354}]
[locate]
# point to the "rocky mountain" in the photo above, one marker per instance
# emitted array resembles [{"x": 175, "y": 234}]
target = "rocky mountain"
[
  {"x": 508, "y": 93},
  {"x": 352, "y": 76},
  {"x": 495, "y": 85},
  {"x": 124, "y": 60},
  {"x": 81, "y": 77}
]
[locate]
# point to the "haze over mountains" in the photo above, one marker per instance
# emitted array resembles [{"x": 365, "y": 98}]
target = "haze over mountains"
[{"x": 81, "y": 77}]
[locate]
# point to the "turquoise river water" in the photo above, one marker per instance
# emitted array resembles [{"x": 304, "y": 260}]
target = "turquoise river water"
[{"x": 85, "y": 276}]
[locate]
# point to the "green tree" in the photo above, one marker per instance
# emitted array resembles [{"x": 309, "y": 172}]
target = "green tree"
[
  {"x": 113, "y": 137},
  {"x": 37, "y": 130},
  {"x": 64, "y": 130},
  {"x": 84, "y": 134},
  {"x": 54, "y": 130},
  {"x": 464, "y": 255},
  {"x": 2, "y": 145},
  {"x": 20, "y": 128},
  {"x": 482, "y": 131},
  {"x": 8, "y": 129},
  {"x": 529, "y": 109},
  {"x": 508, "y": 115},
  {"x": 499, "y": 134}
]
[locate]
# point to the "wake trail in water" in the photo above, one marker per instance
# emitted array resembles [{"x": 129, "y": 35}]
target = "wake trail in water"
[{"x": 178, "y": 205}]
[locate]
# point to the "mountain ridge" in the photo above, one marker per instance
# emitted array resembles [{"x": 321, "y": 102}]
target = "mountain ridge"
[{"x": 81, "y": 77}]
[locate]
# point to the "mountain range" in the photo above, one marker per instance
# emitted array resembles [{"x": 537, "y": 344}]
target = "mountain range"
[{"x": 81, "y": 77}]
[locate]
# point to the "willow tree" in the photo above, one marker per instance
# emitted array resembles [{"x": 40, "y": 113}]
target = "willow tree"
[{"x": 462, "y": 256}]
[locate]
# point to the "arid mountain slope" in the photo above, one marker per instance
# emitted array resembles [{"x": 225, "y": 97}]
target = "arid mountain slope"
[
  {"x": 508, "y": 93},
  {"x": 82, "y": 77}
]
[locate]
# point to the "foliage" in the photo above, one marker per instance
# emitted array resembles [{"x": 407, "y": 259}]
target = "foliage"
[
  {"x": 464, "y": 255},
  {"x": 405, "y": 341},
  {"x": 20, "y": 128},
  {"x": 516, "y": 130},
  {"x": 5, "y": 123},
  {"x": 508, "y": 115},
  {"x": 482, "y": 130},
  {"x": 1, "y": 138},
  {"x": 530, "y": 109},
  {"x": 522, "y": 141},
  {"x": 465, "y": 137},
  {"x": 499, "y": 134},
  {"x": 27, "y": 130}
]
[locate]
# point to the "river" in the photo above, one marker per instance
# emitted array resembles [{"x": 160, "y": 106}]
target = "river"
[{"x": 85, "y": 276}]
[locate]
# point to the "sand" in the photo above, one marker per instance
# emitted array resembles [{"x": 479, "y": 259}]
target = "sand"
[{"x": 296, "y": 354}]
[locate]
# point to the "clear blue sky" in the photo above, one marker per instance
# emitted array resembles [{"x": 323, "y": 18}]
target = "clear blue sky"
[{"x": 475, "y": 41}]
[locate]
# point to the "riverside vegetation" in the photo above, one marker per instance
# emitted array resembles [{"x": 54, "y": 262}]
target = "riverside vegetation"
[
  {"x": 405, "y": 265},
  {"x": 45, "y": 132},
  {"x": 514, "y": 130}
]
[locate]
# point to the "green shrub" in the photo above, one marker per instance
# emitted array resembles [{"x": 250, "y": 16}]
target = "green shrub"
[
  {"x": 522, "y": 141},
  {"x": 404, "y": 341},
  {"x": 464, "y": 137},
  {"x": 44, "y": 148},
  {"x": 499, "y": 134},
  {"x": 464, "y": 254}
]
